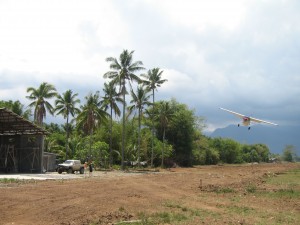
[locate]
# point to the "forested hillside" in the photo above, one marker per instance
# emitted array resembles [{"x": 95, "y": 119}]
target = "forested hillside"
[{"x": 276, "y": 138}]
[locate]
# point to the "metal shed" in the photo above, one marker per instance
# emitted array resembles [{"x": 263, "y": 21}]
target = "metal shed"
[
  {"x": 49, "y": 161},
  {"x": 21, "y": 144}
]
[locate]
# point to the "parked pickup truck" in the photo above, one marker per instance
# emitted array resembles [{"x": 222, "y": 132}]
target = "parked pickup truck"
[{"x": 70, "y": 166}]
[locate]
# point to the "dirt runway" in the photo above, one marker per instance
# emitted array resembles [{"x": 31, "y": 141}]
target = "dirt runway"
[{"x": 198, "y": 193}]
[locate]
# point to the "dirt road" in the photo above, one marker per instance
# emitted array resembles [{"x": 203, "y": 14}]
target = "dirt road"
[{"x": 200, "y": 195}]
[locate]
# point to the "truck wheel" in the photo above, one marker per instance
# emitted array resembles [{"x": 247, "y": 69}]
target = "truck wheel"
[
  {"x": 70, "y": 170},
  {"x": 59, "y": 170},
  {"x": 81, "y": 170}
]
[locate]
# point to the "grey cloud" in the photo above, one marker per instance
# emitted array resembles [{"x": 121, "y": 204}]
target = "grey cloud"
[
  {"x": 252, "y": 69},
  {"x": 259, "y": 60}
]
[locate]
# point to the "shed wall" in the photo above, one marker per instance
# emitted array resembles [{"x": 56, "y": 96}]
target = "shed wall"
[{"x": 21, "y": 153}]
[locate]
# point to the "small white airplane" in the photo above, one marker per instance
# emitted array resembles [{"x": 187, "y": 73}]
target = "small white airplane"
[{"x": 246, "y": 120}]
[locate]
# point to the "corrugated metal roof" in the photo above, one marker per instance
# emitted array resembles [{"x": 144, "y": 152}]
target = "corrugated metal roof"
[{"x": 13, "y": 124}]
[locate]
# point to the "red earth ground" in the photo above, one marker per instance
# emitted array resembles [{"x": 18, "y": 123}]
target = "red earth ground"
[{"x": 226, "y": 194}]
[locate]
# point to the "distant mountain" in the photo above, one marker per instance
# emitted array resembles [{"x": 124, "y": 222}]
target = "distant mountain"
[{"x": 276, "y": 138}]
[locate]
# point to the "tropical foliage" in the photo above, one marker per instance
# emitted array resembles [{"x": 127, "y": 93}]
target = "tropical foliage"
[
  {"x": 123, "y": 71},
  {"x": 110, "y": 101},
  {"x": 163, "y": 133},
  {"x": 289, "y": 153},
  {"x": 66, "y": 105},
  {"x": 153, "y": 80},
  {"x": 139, "y": 101},
  {"x": 16, "y": 107},
  {"x": 91, "y": 117},
  {"x": 39, "y": 97}
]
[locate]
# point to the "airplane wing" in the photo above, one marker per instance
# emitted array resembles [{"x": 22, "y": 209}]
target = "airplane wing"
[
  {"x": 261, "y": 121},
  {"x": 251, "y": 118},
  {"x": 235, "y": 113}
]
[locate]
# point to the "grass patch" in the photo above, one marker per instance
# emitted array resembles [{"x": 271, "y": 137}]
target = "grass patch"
[
  {"x": 224, "y": 190},
  {"x": 175, "y": 205},
  {"x": 287, "y": 218},
  {"x": 288, "y": 179},
  {"x": 122, "y": 209},
  {"x": 284, "y": 193},
  {"x": 160, "y": 218},
  {"x": 276, "y": 218},
  {"x": 244, "y": 210},
  {"x": 185, "y": 216},
  {"x": 221, "y": 190},
  {"x": 9, "y": 180},
  {"x": 190, "y": 213},
  {"x": 288, "y": 183},
  {"x": 16, "y": 181},
  {"x": 171, "y": 204},
  {"x": 169, "y": 217},
  {"x": 251, "y": 188},
  {"x": 235, "y": 199}
]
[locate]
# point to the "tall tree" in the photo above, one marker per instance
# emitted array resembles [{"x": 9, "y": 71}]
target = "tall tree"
[
  {"x": 139, "y": 100},
  {"x": 65, "y": 105},
  {"x": 39, "y": 98},
  {"x": 16, "y": 107},
  {"x": 289, "y": 153},
  {"x": 152, "y": 82},
  {"x": 123, "y": 71},
  {"x": 181, "y": 132},
  {"x": 164, "y": 114},
  {"x": 110, "y": 100},
  {"x": 91, "y": 115}
]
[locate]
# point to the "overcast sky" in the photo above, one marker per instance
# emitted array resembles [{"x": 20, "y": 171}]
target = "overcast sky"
[{"x": 243, "y": 55}]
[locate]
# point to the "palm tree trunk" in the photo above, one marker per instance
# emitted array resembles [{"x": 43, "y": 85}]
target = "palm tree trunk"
[
  {"x": 110, "y": 139},
  {"x": 123, "y": 133},
  {"x": 91, "y": 136},
  {"x": 67, "y": 142},
  {"x": 163, "y": 150},
  {"x": 152, "y": 138},
  {"x": 139, "y": 137}
]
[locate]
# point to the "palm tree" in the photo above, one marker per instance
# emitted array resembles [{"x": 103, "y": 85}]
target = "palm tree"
[
  {"x": 139, "y": 100},
  {"x": 153, "y": 81},
  {"x": 39, "y": 96},
  {"x": 65, "y": 105},
  {"x": 164, "y": 114},
  {"x": 110, "y": 100},
  {"x": 122, "y": 71},
  {"x": 91, "y": 115}
]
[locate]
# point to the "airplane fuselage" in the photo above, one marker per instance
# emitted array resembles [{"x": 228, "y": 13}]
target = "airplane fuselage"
[{"x": 246, "y": 121}]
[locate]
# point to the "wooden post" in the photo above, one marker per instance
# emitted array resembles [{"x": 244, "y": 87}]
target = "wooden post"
[{"x": 200, "y": 185}]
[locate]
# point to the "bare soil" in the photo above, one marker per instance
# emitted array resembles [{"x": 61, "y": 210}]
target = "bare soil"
[{"x": 201, "y": 195}]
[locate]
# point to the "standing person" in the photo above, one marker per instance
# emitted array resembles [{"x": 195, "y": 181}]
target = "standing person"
[
  {"x": 85, "y": 168},
  {"x": 90, "y": 168}
]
